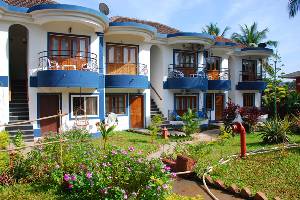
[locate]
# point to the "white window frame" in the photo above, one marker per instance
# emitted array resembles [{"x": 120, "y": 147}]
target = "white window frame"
[{"x": 84, "y": 96}]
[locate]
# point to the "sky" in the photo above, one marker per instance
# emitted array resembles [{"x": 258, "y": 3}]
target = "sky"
[{"x": 193, "y": 15}]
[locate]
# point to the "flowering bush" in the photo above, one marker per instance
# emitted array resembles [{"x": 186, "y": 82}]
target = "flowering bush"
[
  {"x": 230, "y": 113},
  {"x": 120, "y": 174},
  {"x": 250, "y": 116},
  {"x": 86, "y": 171}
]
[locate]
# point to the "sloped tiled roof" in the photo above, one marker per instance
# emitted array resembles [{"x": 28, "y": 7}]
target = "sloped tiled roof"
[
  {"x": 292, "y": 75},
  {"x": 28, "y": 3},
  {"x": 161, "y": 28}
]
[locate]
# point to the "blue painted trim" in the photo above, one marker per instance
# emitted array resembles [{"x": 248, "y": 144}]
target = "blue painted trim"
[
  {"x": 96, "y": 135},
  {"x": 204, "y": 102},
  {"x": 135, "y": 24},
  {"x": 101, "y": 114},
  {"x": 101, "y": 51},
  {"x": 252, "y": 85},
  {"x": 126, "y": 81},
  {"x": 33, "y": 81},
  {"x": 186, "y": 83},
  {"x": 68, "y": 78},
  {"x": 219, "y": 85},
  {"x": 226, "y": 44},
  {"x": 69, "y": 8},
  {"x": 101, "y": 93},
  {"x": 144, "y": 100},
  {"x": 126, "y": 103},
  {"x": 38, "y": 96},
  {"x": 13, "y": 8},
  {"x": 257, "y": 49},
  {"x": 3, "y": 81},
  {"x": 191, "y": 34},
  {"x": 37, "y": 133}
]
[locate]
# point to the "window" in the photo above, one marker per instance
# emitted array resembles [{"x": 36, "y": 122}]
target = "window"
[
  {"x": 249, "y": 99},
  {"x": 68, "y": 46},
  {"x": 121, "y": 59},
  {"x": 216, "y": 65},
  {"x": 183, "y": 103},
  {"x": 209, "y": 101},
  {"x": 185, "y": 59},
  {"x": 249, "y": 70},
  {"x": 69, "y": 51},
  {"x": 116, "y": 103},
  {"x": 84, "y": 105}
]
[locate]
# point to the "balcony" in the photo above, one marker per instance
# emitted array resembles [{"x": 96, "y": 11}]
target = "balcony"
[
  {"x": 126, "y": 75},
  {"x": 249, "y": 80},
  {"x": 186, "y": 76},
  {"x": 68, "y": 69},
  {"x": 218, "y": 80}
]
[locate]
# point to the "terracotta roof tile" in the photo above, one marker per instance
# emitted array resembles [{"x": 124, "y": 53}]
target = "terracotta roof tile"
[
  {"x": 161, "y": 28},
  {"x": 28, "y": 3}
]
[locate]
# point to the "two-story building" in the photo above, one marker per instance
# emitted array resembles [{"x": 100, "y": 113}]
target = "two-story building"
[{"x": 59, "y": 58}]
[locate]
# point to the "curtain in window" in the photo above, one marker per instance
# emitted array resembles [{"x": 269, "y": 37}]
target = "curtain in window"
[{"x": 91, "y": 106}]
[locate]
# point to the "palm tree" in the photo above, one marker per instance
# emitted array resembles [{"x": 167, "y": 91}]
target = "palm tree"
[
  {"x": 250, "y": 36},
  {"x": 294, "y": 7},
  {"x": 213, "y": 29}
]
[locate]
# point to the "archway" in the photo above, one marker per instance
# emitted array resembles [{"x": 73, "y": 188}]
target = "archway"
[{"x": 18, "y": 47}]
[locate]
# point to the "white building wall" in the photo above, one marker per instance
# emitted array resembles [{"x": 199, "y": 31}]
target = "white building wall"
[{"x": 4, "y": 91}]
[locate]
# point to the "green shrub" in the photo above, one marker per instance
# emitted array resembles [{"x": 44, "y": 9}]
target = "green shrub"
[
  {"x": 4, "y": 162},
  {"x": 276, "y": 130},
  {"x": 105, "y": 131},
  {"x": 225, "y": 133},
  {"x": 89, "y": 172},
  {"x": 4, "y": 139},
  {"x": 191, "y": 122},
  {"x": 18, "y": 139},
  {"x": 155, "y": 126}
]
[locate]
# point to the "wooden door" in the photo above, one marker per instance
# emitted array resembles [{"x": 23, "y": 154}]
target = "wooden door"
[
  {"x": 137, "y": 111},
  {"x": 219, "y": 106},
  {"x": 49, "y": 106}
]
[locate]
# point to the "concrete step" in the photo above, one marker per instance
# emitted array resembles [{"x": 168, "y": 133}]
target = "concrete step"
[
  {"x": 20, "y": 127},
  {"x": 18, "y": 117},
  {"x": 19, "y": 100},
  {"x": 17, "y": 113},
  {"x": 19, "y": 109},
  {"x": 18, "y": 105}
]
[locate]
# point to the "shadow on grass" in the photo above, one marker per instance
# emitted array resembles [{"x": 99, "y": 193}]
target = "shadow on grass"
[{"x": 138, "y": 141}]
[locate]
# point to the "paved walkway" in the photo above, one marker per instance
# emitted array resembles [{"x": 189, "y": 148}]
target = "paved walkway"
[
  {"x": 192, "y": 189},
  {"x": 205, "y": 136}
]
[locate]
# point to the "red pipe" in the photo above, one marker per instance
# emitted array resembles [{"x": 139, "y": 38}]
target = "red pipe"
[{"x": 239, "y": 128}]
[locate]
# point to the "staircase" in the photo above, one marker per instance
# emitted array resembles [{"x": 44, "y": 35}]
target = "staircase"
[
  {"x": 154, "y": 109},
  {"x": 19, "y": 111}
]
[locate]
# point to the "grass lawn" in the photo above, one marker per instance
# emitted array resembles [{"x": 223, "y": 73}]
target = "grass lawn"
[
  {"x": 275, "y": 174},
  {"x": 210, "y": 153},
  {"x": 125, "y": 139}
]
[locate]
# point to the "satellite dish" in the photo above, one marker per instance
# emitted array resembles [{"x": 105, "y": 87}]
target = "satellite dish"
[{"x": 104, "y": 8}]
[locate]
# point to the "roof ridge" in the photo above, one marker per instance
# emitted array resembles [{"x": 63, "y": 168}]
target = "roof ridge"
[
  {"x": 161, "y": 28},
  {"x": 28, "y": 3}
]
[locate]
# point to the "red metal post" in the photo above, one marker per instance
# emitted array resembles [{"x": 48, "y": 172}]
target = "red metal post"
[
  {"x": 165, "y": 133},
  {"x": 239, "y": 128}
]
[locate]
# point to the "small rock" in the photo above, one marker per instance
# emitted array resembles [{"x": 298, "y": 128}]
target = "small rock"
[
  {"x": 209, "y": 180},
  {"x": 233, "y": 189},
  {"x": 246, "y": 193},
  {"x": 277, "y": 198},
  {"x": 220, "y": 184},
  {"x": 260, "y": 196}
]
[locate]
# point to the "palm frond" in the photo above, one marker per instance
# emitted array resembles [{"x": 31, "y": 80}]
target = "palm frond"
[{"x": 294, "y": 7}]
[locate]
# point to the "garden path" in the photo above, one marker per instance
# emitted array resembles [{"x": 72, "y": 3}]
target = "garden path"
[
  {"x": 205, "y": 136},
  {"x": 191, "y": 188}
]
